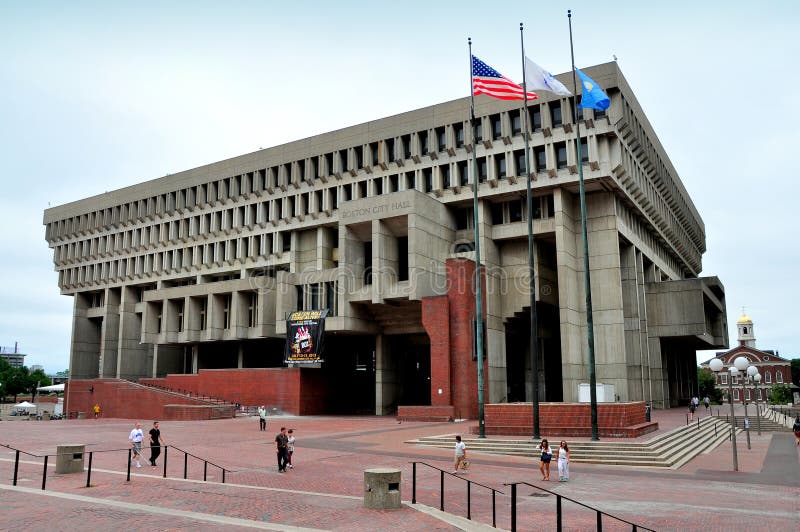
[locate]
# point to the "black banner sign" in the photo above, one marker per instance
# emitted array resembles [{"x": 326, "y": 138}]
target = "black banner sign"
[{"x": 305, "y": 332}]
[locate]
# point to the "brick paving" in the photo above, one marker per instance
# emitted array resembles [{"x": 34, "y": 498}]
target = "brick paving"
[{"x": 324, "y": 490}]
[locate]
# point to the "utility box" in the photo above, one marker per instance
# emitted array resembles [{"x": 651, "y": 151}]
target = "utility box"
[
  {"x": 382, "y": 488},
  {"x": 69, "y": 458}
]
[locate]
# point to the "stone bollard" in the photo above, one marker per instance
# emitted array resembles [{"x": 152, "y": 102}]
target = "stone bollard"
[
  {"x": 382, "y": 488},
  {"x": 69, "y": 458}
]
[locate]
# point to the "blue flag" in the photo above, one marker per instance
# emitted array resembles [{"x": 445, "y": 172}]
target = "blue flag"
[{"x": 593, "y": 96}]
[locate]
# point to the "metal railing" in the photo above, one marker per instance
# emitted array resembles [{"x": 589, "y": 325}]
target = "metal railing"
[
  {"x": 442, "y": 474},
  {"x": 559, "y": 511},
  {"x": 190, "y": 393},
  {"x": 128, "y": 450}
]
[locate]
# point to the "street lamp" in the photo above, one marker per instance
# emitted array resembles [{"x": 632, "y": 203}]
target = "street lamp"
[
  {"x": 757, "y": 379},
  {"x": 716, "y": 367},
  {"x": 741, "y": 364}
]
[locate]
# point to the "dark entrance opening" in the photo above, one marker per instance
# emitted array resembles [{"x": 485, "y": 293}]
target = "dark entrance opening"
[
  {"x": 518, "y": 358},
  {"x": 349, "y": 374},
  {"x": 412, "y": 354}
]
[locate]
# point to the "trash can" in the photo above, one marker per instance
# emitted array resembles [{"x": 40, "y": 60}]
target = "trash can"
[
  {"x": 647, "y": 412},
  {"x": 46, "y": 415},
  {"x": 69, "y": 458},
  {"x": 382, "y": 488}
]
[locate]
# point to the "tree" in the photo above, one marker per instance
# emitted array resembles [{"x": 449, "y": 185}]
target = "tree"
[
  {"x": 780, "y": 394},
  {"x": 706, "y": 381},
  {"x": 16, "y": 382},
  {"x": 37, "y": 378},
  {"x": 796, "y": 371}
]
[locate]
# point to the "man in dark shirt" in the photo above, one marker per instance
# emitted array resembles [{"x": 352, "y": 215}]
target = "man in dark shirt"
[
  {"x": 282, "y": 444},
  {"x": 155, "y": 443}
]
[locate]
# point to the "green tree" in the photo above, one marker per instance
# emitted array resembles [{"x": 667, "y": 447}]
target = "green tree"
[
  {"x": 780, "y": 394},
  {"x": 796, "y": 371},
  {"x": 37, "y": 378},
  {"x": 706, "y": 381},
  {"x": 16, "y": 382},
  {"x": 5, "y": 374}
]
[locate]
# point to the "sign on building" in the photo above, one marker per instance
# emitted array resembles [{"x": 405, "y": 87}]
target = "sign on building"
[{"x": 305, "y": 333}]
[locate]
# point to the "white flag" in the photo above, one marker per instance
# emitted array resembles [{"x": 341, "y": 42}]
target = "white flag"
[{"x": 538, "y": 78}]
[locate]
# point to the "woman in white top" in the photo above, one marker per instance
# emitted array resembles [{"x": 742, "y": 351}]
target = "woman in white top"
[
  {"x": 461, "y": 454},
  {"x": 563, "y": 462}
]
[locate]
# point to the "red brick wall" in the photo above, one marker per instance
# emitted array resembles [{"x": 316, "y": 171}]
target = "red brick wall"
[
  {"x": 569, "y": 419},
  {"x": 123, "y": 399},
  {"x": 438, "y": 329},
  {"x": 426, "y": 413}
]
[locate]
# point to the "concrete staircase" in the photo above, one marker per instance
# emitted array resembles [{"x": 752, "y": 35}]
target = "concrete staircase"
[
  {"x": 669, "y": 450},
  {"x": 767, "y": 424}
]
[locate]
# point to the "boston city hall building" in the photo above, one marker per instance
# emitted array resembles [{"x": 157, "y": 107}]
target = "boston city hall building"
[{"x": 182, "y": 284}]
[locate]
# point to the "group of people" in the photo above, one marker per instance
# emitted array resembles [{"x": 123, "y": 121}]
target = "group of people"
[
  {"x": 155, "y": 439},
  {"x": 284, "y": 441},
  {"x": 694, "y": 404},
  {"x": 562, "y": 455}
]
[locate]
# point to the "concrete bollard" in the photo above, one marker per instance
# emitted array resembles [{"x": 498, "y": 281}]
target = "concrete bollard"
[
  {"x": 69, "y": 458},
  {"x": 382, "y": 488}
]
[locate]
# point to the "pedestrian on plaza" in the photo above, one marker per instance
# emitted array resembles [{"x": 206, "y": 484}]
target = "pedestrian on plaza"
[
  {"x": 547, "y": 455},
  {"x": 290, "y": 447},
  {"x": 707, "y": 402},
  {"x": 96, "y": 410},
  {"x": 461, "y": 454},
  {"x": 262, "y": 417},
  {"x": 692, "y": 407},
  {"x": 563, "y": 462},
  {"x": 796, "y": 429},
  {"x": 282, "y": 445},
  {"x": 156, "y": 441},
  {"x": 136, "y": 438}
]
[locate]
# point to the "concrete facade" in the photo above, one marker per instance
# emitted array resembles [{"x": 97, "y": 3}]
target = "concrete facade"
[{"x": 197, "y": 270}]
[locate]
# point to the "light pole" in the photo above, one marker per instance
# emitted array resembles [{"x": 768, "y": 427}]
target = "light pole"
[
  {"x": 716, "y": 367},
  {"x": 757, "y": 379},
  {"x": 741, "y": 364}
]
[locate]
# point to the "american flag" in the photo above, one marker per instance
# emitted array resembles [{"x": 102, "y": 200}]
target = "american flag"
[{"x": 488, "y": 81}]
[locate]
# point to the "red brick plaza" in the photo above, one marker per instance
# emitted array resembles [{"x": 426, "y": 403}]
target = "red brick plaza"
[{"x": 324, "y": 491}]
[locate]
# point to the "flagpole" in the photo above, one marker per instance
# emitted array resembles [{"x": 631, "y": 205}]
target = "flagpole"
[
  {"x": 534, "y": 336},
  {"x": 478, "y": 284},
  {"x": 586, "y": 278}
]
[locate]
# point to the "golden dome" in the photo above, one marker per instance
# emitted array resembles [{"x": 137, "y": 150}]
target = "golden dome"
[{"x": 744, "y": 319}]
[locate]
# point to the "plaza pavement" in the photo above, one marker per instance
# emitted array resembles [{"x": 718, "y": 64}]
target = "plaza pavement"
[{"x": 325, "y": 489}]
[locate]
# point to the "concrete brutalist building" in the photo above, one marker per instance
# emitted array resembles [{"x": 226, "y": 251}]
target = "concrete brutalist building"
[{"x": 374, "y": 222}]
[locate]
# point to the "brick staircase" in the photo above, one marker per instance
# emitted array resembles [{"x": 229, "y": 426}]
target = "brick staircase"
[
  {"x": 668, "y": 450},
  {"x": 767, "y": 424}
]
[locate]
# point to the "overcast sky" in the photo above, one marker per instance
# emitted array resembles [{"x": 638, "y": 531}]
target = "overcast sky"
[{"x": 102, "y": 95}]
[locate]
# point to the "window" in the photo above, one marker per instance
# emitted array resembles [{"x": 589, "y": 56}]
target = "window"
[
  {"x": 483, "y": 169},
  {"x": 300, "y": 293},
  {"x": 378, "y": 186},
  {"x": 516, "y": 122},
  {"x": 735, "y": 393},
  {"x": 778, "y": 377},
  {"x": 500, "y": 166},
  {"x": 584, "y": 150},
  {"x": 497, "y": 126},
  {"x": 180, "y": 306},
  {"x": 497, "y": 213},
  {"x": 286, "y": 242},
  {"x": 441, "y": 138},
  {"x": 405, "y": 142},
  {"x": 478, "y": 130},
  {"x": 463, "y": 218},
  {"x": 411, "y": 181},
  {"x": 561, "y": 154},
  {"x": 330, "y": 297},
  {"x": 760, "y": 395},
  {"x": 423, "y": 142},
  {"x": 463, "y": 172},
  {"x": 540, "y": 156},
  {"x": 537, "y": 208},
  {"x": 402, "y": 258},
  {"x": 445, "y": 172},
  {"x": 389, "y": 143},
  {"x": 226, "y": 310},
  {"x": 458, "y": 130},
  {"x": 723, "y": 378},
  {"x": 362, "y": 189},
  {"x": 514, "y": 211},
  {"x": 734, "y": 379},
  {"x": 252, "y": 310},
  {"x": 768, "y": 377},
  {"x": 394, "y": 181},
  {"x": 358, "y": 155},
  {"x": 536, "y": 117},
  {"x": 598, "y": 113},
  {"x": 367, "y": 263},
  {"x": 519, "y": 156},
  {"x": 551, "y": 205},
  {"x": 555, "y": 114},
  {"x": 314, "y": 293},
  {"x": 747, "y": 394},
  {"x": 373, "y": 148}
]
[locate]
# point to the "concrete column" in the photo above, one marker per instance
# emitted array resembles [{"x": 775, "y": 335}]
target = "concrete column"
[
  {"x": 85, "y": 345},
  {"x": 109, "y": 338},
  {"x": 240, "y": 362},
  {"x": 632, "y": 316},
  {"x": 195, "y": 357},
  {"x": 132, "y": 355}
]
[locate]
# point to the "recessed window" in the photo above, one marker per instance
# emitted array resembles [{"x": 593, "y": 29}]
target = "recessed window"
[
  {"x": 555, "y": 114},
  {"x": 445, "y": 172},
  {"x": 561, "y": 154},
  {"x": 427, "y": 179},
  {"x": 540, "y": 156},
  {"x": 536, "y": 117},
  {"x": 497, "y": 213},
  {"x": 500, "y": 166},
  {"x": 405, "y": 141},
  {"x": 463, "y": 172},
  {"x": 768, "y": 377},
  {"x": 478, "y": 130},
  {"x": 423, "y": 142},
  {"x": 497, "y": 126},
  {"x": 519, "y": 157},
  {"x": 514, "y": 211},
  {"x": 778, "y": 376},
  {"x": 378, "y": 186},
  {"x": 584, "y": 150},
  {"x": 441, "y": 138},
  {"x": 483, "y": 169},
  {"x": 458, "y": 130},
  {"x": 516, "y": 123}
]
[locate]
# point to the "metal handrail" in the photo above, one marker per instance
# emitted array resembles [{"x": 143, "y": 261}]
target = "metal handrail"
[
  {"x": 600, "y": 513},
  {"x": 442, "y": 473}
]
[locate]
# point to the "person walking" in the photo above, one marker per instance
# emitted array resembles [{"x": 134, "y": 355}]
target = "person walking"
[
  {"x": 461, "y": 454},
  {"x": 707, "y": 403},
  {"x": 136, "y": 437},
  {"x": 281, "y": 444},
  {"x": 692, "y": 407},
  {"x": 262, "y": 417},
  {"x": 796, "y": 429},
  {"x": 547, "y": 455},
  {"x": 156, "y": 441},
  {"x": 563, "y": 462},
  {"x": 96, "y": 410},
  {"x": 290, "y": 447}
]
